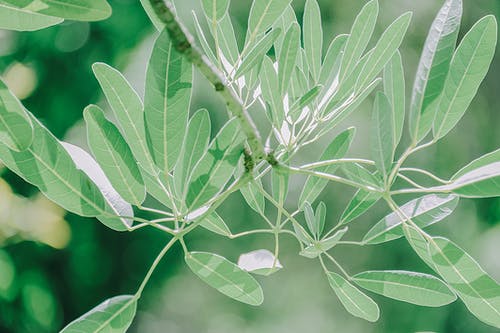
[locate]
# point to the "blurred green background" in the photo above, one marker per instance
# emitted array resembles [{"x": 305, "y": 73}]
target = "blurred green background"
[{"x": 56, "y": 266}]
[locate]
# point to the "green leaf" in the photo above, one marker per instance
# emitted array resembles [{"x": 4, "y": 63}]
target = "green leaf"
[
  {"x": 394, "y": 89},
  {"x": 356, "y": 172},
  {"x": 320, "y": 217},
  {"x": 433, "y": 67},
  {"x": 468, "y": 68},
  {"x": 310, "y": 219},
  {"x": 194, "y": 147},
  {"x": 225, "y": 276},
  {"x": 271, "y": 93},
  {"x": 166, "y": 101},
  {"x": 20, "y": 19},
  {"x": 228, "y": 47},
  {"x": 116, "y": 208},
  {"x": 423, "y": 211},
  {"x": 331, "y": 63},
  {"x": 336, "y": 149},
  {"x": 313, "y": 37},
  {"x": 216, "y": 167},
  {"x": 263, "y": 14},
  {"x": 254, "y": 197},
  {"x": 284, "y": 22},
  {"x": 360, "y": 35},
  {"x": 114, "y": 156},
  {"x": 304, "y": 101},
  {"x": 288, "y": 57},
  {"x": 318, "y": 247},
  {"x": 384, "y": 50},
  {"x": 203, "y": 40},
  {"x": 302, "y": 234},
  {"x": 150, "y": 11},
  {"x": 81, "y": 10},
  {"x": 16, "y": 131},
  {"x": 111, "y": 316},
  {"x": 359, "y": 204},
  {"x": 353, "y": 300},
  {"x": 128, "y": 111},
  {"x": 415, "y": 238},
  {"x": 256, "y": 54},
  {"x": 215, "y": 224},
  {"x": 412, "y": 287},
  {"x": 215, "y": 9},
  {"x": 261, "y": 262},
  {"x": 479, "y": 292},
  {"x": 382, "y": 136}
]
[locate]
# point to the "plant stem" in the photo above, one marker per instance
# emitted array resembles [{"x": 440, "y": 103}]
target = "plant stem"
[{"x": 183, "y": 43}]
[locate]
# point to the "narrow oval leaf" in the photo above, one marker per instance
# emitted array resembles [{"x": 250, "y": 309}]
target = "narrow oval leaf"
[
  {"x": 320, "y": 217},
  {"x": 382, "y": 134},
  {"x": 359, "y": 204},
  {"x": 468, "y": 68},
  {"x": 226, "y": 277},
  {"x": 20, "y": 19},
  {"x": 215, "y": 9},
  {"x": 310, "y": 218},
  {"x": 479, "y": 292},
  {"x": 423, "y": 211},
  {"x": 335, "y": 150},
  {"x": 263, "y": 14},
  {"x": 228, "y": 46},
  {"x": 354, "y": 301},
  {"x": 81, "y": 10},
  {"x": 215, "y": 224},
  {"x": 253, "y": 196},
  {"x": 261, "y": 262},
  {"x": 433, "y": 67},
  {"x": 412, "y": 287},
  {"x": 166, "y": 101},
  {"x": 270, "y": 92},
  {"x": 114, "y": 155},
  {"x": 394, "y": 89},
  {"x": 318, "y": 247},
  {"x": 417, "y": 241},
  {"x": 16, "y": 130},
  {"x": 360, "y": 35},
  {"x": 358, "y": 173},
  {"x": 111, "y": 316},
  {"x": 288, "y": 56},
  {"x": 216, "y": 167},
  {"x": 313, "y": 37},
  {"x": 331, "y": 63}
]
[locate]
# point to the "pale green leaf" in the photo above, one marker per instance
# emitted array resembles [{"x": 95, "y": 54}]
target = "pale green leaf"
[
  {"x": 16, "y": 131},
  {"x": 359, "y": 204},
  {"x": 203, "y": 40},
  {"x": 382, "y": 134},
  {"x": 288, "y": 57},
  {"x": 283, "y": 22},
  {"x": 354, "y": 301},
  {"x": 479, "y": 292},
  {"x": 80, "y": 10},
  {"x": 468, "y": 68},
  {"x": 316, "y": 248},
  {"x": 313, "y": 37},
  {"x": 226, "y": 277},
  {"x": 310, "y": 219},
  {"x": 228, "y": 47},
  {"x": 336, "y": 149},
  {"x": 320, "y": 217},
  {"x": 114, "y": 156},
  {"x": 417, "y": 241},
  {"x": 394, "y": 89},
  {"x": 433, "y": 67},
  {"x": 215, "y": 224},
  {"x": 261, "y": 262},
  {"x": 423, "y": 211},
  {"x": 253, "y": 196},
  {"x": 111, "y": 316},
  {"x": 298, "y": 106},
  {"x": 148, "y": 8},
  {"x": 263, "y": 14},
  {"x": 270, "y": 91},
  {"x": 359, "y": 174},
  {"x": 215, "y": 9},
  {"x": 412, "y": 287},
  {"x": 20, "y": 19},
  {"x": 331, "y": 63}
]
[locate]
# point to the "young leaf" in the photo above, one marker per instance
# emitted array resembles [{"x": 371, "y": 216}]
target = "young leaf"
[
  {"x": 225, "y": 276},
  {"x": 216, "y": 167},
  {"x": 166, "y": 101},
  {"x": 479, "y": 292},
  {"x": 418, "y": 242},
  {"x": 318, "y": 247},
  {"x": 360, "y": 203},
  {"x": 356, "y": 172},
  {"x": 255, "y": 55},
  {"x": 215, "y": 224},
  {"x": 263, "y": 14},
  {"x": 394, "y": 89},
  {"x": 128, "y": 111},
  {"x": 412, "y": 287},
  {"x": 20, "y": 19},
  {"x": 353, "y": 300},
  {"x": 331, "y": 62},
  {"x": 336, "y": 149},
  {"x": 320, "y": 217},
  {"x": 468, "y": 68},
  {"x": 116, "y": 208},
  {"x": 81, "y": 10},
  {"x": 360, "y": 35},
  {"x": 261, "y": 262},
  {"x": 302, "y": 234},
  {"x": 297, "y": 108},
  {"x": 288, "y": 57},
  {"x": 310, "y": 219},
  {"x": 195, "y": 145},
  {"x": 16, "y": 131},
  {"x": 254, "y": 197},
  {"x": 203, "y": 40},
  {"x": 423, "y": 211},
  {"x": 114, "y": 155},
  {"x": 384, "y": 50},
  {"x": 113, "y": 315},
  {"x": 284, "y": 22},
  {"x": 433, "y": 67},
  {"x": 313, "y": 37},
  {"x": 215, "y": 9},
  {"x": 228, "y": 47},
  {"x": 270, "y": 92},
  {"x": 382, "y": 136}
]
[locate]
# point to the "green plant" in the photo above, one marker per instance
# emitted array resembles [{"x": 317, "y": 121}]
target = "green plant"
[{"x": 159, "y": 150}]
